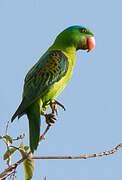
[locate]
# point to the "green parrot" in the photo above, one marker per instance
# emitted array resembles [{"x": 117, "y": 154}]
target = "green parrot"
[{"x": 49, "y": 76}]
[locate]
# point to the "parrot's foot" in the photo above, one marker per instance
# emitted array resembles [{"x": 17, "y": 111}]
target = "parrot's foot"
[{"x": 50, "y": 118}]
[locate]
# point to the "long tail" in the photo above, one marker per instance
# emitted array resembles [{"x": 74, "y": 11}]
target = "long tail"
[{"x": 33, "y": 114}]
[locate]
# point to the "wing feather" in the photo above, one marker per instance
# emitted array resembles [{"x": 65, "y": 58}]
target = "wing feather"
[{"x": 49, "y": 70}]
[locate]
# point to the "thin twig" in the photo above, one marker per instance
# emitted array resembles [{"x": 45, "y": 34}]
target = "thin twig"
[
  {"x": 105, "y": 153},
  {"x": 19, "y": 137},
  {"x": 7, "y": 144},
  {"x": 11, "y": 176},
  {"x": 6, "y": 131},
  {"x": 13, "y": 167},
  {"x": 45, "y": 132}
]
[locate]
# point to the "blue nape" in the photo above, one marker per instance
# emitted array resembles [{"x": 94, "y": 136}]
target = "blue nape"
[{"x": 74, "y": 27}]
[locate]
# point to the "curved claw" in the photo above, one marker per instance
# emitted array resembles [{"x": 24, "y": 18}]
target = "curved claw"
[
  {"x": 61, "y": 105},
  {"x": 50, "y": 118},
  {"x": 54, "y": 108}
]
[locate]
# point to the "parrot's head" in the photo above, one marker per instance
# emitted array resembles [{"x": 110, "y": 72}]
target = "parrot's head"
[{"x": 77, "y": 36}]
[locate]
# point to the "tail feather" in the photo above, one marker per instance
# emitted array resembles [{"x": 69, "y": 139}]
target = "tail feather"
[
  {"x": 17, "y": 113},
  {"x": 20, "y": 110},
  {"x": 33, "y": 114},
  {"x": 14, "y": 116}
]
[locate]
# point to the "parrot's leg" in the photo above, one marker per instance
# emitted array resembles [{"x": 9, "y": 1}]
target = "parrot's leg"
[{"x": 53, "y": 107}]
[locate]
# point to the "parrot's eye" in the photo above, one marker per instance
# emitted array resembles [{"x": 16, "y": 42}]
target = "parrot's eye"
[{"x": 83, "y": 30}]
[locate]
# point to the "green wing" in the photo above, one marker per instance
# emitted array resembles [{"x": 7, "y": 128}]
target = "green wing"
[{"x": 49, "y": 70}]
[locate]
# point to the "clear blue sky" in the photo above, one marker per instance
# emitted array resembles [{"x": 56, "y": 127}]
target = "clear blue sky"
[{"x": 93, "y": 97}]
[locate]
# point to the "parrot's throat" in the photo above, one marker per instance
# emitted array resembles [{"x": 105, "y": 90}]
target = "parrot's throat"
[{"x": 70, "y": 52}]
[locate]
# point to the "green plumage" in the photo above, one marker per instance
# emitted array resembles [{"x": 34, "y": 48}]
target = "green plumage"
[
  {"x": 49, "y": 76},
  {"x": 33, "y": 114}
]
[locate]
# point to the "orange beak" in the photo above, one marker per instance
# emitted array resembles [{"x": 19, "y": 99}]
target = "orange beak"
[{"x": 91, "y": 43}]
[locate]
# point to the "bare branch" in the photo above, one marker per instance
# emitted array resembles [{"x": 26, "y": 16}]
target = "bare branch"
[
  {"x": 45, "y": 132},
  {"x": 19, "y": 137},
  {"x": 7, "y": 144},
  {"x": 6, "y": 131},
  {"x": 45, "y": 178},
  {"x": 105, "y": 153},
  {"x": 13, "y": 167}
]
